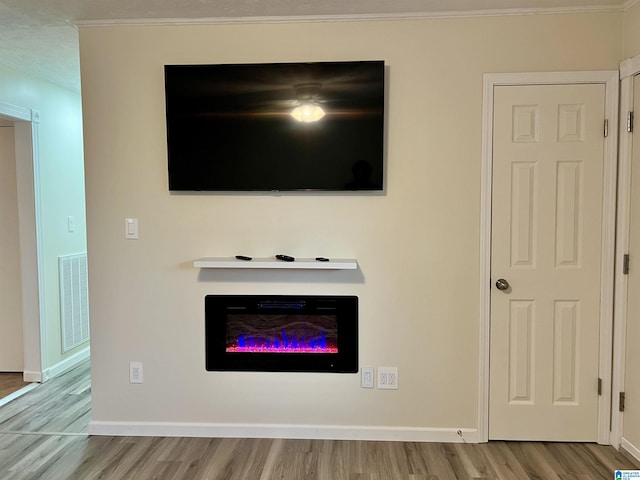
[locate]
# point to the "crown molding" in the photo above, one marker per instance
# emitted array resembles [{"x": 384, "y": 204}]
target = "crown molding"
[{"x": 354, "y": 17}]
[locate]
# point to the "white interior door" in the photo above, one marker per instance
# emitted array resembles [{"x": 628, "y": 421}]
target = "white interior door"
[
  {"x": 631, "y": 426},
  {"x": 548, "y": 159}
]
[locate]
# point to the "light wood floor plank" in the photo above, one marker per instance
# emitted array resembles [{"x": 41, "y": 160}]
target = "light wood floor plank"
[
  {"x": 533, "y": 461},
  {"x": 474, "y": 460},
  {"x": 333, "y": 460},
  {"x": 503, "y": 461},
  {"x": 436, "y": 460},
  {"x": 193, "y": 457},
  {"x": 609, "y": 457},
  {"x": 415, "y": 461}
]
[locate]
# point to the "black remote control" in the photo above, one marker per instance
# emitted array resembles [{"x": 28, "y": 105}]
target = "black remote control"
[
  {"x": 322, "y": 259},
  {"x": 243, "y": 257},
  {"x": 285, "y": 258}
]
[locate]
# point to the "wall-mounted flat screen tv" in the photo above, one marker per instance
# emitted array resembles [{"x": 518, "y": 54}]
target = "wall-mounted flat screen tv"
[{"x": 276, "y": 127}]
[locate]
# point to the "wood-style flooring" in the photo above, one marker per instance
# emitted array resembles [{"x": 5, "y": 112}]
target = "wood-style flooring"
[
  {"x": 11, "y": 382},
  {"x": 43, "y": 436}
]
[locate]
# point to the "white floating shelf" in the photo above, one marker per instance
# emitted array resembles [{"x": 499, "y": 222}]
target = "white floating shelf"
[{"x": 272, "y": 263}]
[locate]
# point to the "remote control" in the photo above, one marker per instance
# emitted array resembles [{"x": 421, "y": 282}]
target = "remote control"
[
  {"x": 322, "y": 259},
  {"x": 285, "y": 258},
  {"x": 243, "y": 257}
]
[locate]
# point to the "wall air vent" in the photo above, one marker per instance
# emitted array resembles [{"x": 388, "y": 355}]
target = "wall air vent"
[{"x": 74, "y": 300}]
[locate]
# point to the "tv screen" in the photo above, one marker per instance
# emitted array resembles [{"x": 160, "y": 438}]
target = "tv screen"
[{"x": 276, "y": 126}]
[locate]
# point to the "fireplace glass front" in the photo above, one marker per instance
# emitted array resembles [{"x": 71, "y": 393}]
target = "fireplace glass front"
[{"x": 281, "y": 333}]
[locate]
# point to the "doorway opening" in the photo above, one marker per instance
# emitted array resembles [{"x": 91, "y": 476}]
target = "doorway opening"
[{"x": 41, "y": 352}]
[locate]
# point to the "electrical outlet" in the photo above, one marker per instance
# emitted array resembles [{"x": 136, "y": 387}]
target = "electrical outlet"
[
  {"x": 135, "y": 372},
  {"x": 366, "y": 381},
  {"x": 388, "y": 378}
]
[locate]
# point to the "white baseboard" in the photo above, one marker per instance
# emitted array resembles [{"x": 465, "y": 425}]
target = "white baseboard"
[
  {"x": 314, "y": 432},
  {"x": 630, "y": 448},
  {"x": 66, "y": 364},
  {"x": 32, "y": 376}
]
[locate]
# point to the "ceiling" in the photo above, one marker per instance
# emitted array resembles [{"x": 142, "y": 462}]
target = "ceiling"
[{"x": 40, "y": 36}]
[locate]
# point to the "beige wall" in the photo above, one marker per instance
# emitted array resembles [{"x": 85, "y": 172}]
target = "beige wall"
[
  {"x": 417, "y": 245},
  {"x": 631, "y": 31},
  {"x": 11, "y": 348}
]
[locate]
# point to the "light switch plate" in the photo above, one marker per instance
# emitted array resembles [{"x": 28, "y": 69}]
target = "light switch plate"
[
  {"x": 366, "y": 380},
  {"x": 131, "y": 228}
]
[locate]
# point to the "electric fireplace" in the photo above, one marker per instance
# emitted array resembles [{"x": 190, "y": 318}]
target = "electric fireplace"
[{"x": 281, "y": 333}]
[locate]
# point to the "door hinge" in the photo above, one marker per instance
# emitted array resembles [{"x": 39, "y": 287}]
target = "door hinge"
[
  {"x": 599, "y": 386},
  {"x": 621, "y": 402},
  {"x": 625, "y": 264},
  {"x": 606, "y": 127},
  {"x": 630, "y": 122}
]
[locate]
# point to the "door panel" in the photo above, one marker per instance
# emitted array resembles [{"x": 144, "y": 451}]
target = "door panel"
[{"x": 548, "y": 157}]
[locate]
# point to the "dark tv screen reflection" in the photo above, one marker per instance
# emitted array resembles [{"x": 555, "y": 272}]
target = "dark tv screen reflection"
[{"x": 276, "y": 127}]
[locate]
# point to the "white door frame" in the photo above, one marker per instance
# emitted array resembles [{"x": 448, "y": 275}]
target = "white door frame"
[
  {"x": 492, "y": 80},
  {"x": 628, "y": 69},
  {"x": 27, "y": 153}
]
